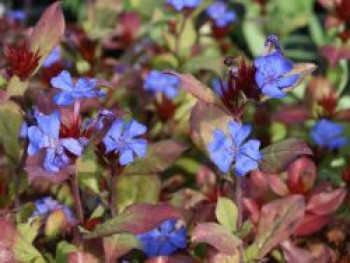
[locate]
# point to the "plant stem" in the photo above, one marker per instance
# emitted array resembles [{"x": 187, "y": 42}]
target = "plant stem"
[
  {"x": 18, "y": 173},
  {"x": 238, "y": 193},
  {"x": 115, "y": 174},
  {"x": 77, "y": 199}
]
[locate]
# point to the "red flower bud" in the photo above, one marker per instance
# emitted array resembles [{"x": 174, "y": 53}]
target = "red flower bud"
[{"x": 22, "y": 60}]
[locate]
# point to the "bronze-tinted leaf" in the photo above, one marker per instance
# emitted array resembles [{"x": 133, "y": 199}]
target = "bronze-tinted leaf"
[
  {"x": 278, "y": 220},
  {"x": 325, "y": 203},
  {"x": 48, "y": 31},
  {"x": 217, "y": 236},
  {"x": 195, "y": 87},
  {"x": 160, "y": 156},
  {"x": 135, "y": 219},
  {"x": 278, "y": 156}
]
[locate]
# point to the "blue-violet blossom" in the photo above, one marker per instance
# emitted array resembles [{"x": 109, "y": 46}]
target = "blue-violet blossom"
[
  {"x": 220, "y": 15},
  {"x": 179, "y": 5},
  {"x": 45, "y": 135},
  {"x": 121, "y": 139},
  {"x": 164, "y": 240},
  {"x": 52, "y": 58},
  {"x": 271, "y": 74},
  {"x": 163, "y": 83},
  {"x": 328, "y": 134},
  {"x": 46, "y": 205},
  {"x": 224, "y": 149},
  {"x": 83, "y": 88}
]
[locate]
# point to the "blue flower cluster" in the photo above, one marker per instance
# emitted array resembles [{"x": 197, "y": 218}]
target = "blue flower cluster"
[
  {"x": 164, "y": 240},
  {"x": 271, "y": 74},
  {"x": 83, "y": 88},
  {"x": 328, "y": 134},
  {"x": 45, "y": 135},
  {"x": 46, "y": 205},
  {"x": 224, "y": 150},
  {"x": 179, "y": 5},
  {"x": 164, "y": 83},
  {"x": 121, "y": 139},
  {"x": 220, "y": 15}
]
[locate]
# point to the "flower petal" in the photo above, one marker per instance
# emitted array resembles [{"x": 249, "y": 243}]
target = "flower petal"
[{"x": 63, "y": 81}]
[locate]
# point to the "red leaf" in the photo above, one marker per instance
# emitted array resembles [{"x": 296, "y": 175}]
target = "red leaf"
[
  {"x": 295, "y": 254},
  {"x": 301, "y": 175},
  {"x": 326, "y": 202},
  {"x": 217, "y": 236},
  {"x": 277, "y": 185},
  {"x": 310, "y": 224},
  {"x": 253, "y": 209},
  {"x": 136, "y": 219},
  {"x": 289, "y": 114}
]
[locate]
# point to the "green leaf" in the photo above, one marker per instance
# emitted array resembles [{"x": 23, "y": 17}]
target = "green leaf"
[
  {"x": 55, "y": 223},
  {"x": 160, "y": 156},
  {"x": 29, "y": 230},
  {"x": 217, "y": 236},
  {"x": 278, "y": 220},
  {"x": 118, "y": 245},
  {"x": 278, "y": 156},
  {"x": 63, "y": 249},
  {"x": 137, "y": 188},
  {"x": 227, "y": 213},
  {"x": 135, "y": 219},
  {"x": 10, "y": 124},
  {"x": 16, "y": 87},
  {"x": 198, "y": 63}
]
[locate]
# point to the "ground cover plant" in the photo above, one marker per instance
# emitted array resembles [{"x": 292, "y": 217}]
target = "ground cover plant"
[{"x": 175, "y": 131}]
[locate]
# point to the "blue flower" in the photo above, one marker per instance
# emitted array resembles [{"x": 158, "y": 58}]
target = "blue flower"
[
  {"x": 164, "y": 240},
  {"x": 52, "y": 58},
  {"x": 328, "y": 134},
  {"x": 45, "y": 135},
  {"x": 83, "y": 88},
  {"x": 19, "y": 15},
  {"x": 270, "y": 74},
  {"x": 220, "y": 15},
  {"x": 182, "y": 4},
  {"x": 121, "y": 140},
  {"x": 164, "y": 83},
  {"x": 46, "y": 205},
  {"x": 224, "y": 150}
]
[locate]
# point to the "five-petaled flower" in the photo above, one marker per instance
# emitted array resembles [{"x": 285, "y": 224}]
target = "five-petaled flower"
[
  {"x": 220, "y": 15},
  {"x": 83, "y": 88},
  {"x": 225, "y": 149},
  {"x": 271, "y": 74},
  {"x": 163, "y": 83},
  {"x": 45, "y": 135},
  {"x": 46, "y": 205},
  {"x": 164, "y": 240},
  {"x": 179, "y": 5},
  {"x": 120, "y": 139},
  {"x": 328, "y": 134}
]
